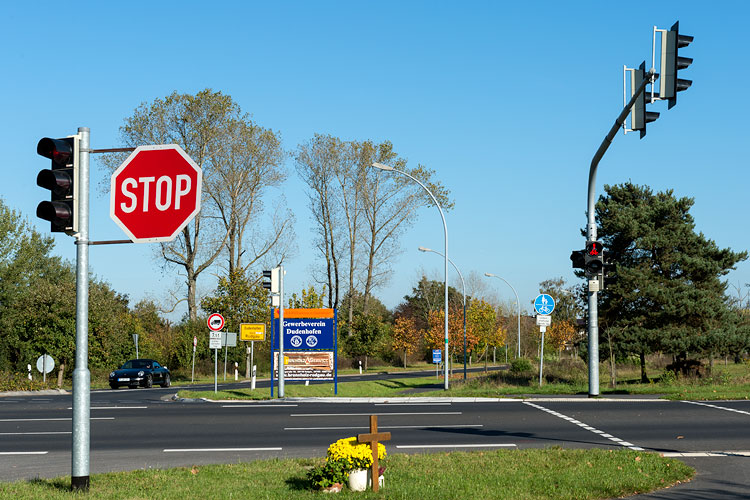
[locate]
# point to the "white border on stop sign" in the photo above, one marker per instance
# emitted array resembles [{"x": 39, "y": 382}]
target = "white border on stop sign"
[{"x": 199, "y": 185}]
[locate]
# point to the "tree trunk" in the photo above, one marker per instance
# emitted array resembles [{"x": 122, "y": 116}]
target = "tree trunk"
[
  {"x": 60, "y": 373},
  {"x": 644, "y": 376}
]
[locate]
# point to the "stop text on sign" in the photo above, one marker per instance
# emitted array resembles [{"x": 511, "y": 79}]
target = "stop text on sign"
[
  {"x": 163, "y": 192},
  {"x": 155, "y": 193}
]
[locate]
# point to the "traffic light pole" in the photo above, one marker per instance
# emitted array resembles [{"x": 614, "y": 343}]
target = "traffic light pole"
[
  {"x": 81, "y": 374},
  {"x": 593, "y": 324}
]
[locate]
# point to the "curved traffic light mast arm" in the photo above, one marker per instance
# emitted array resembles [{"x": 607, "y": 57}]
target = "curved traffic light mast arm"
[{"x": 593, "y": 326}]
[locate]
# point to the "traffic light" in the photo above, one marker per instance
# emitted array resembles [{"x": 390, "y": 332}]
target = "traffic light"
[
  {"x": 639, "y": 117},
  {"x": 271, "y": 280},
  {"x": 593, "y": 259},
  {"x": 671, "y": 62},
  {"x": 608, "y": 275},
  {"x": 578, "y": 259},
  {"x": 62, "y": 209}
]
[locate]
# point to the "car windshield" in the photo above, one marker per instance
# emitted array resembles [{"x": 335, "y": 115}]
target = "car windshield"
[{"x": 136, "y": 363}]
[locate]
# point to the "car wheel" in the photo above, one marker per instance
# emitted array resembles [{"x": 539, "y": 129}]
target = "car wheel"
[
  {"x": 113, "y": 386},
  {"x": 166, "y": 382},
  {"x": 149, "y": 382}
]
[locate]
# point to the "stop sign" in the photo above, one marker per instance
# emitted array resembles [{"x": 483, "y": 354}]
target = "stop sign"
[{"x": 155, "y": 193}]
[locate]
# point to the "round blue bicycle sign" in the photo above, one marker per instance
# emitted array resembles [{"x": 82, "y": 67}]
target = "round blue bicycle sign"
[{"x": 544, "y": 304}]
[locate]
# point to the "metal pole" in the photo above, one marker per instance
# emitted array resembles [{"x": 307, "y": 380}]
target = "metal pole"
[
  {"x": 81, "y": 376},
  {"x": 281, "y": 331},
  {"x": 192, "y": 376},
  {"x": 593, "y": 323},
  {"x": 216, "y": 370},
  {"x": 445, "y": 273},
  {"x": 463, "y": 284},
  {"x": 518, "y": 309},
  {"x": 541, "y": 358}
]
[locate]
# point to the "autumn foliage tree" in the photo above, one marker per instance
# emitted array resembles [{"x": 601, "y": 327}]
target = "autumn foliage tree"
[
  {"x": 435, "y": 334},
  {"x": 406, "y": 337}
]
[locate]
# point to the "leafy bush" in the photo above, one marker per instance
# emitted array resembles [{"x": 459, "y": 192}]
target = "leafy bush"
[
  {"x": 520, "y": 365},
  {"x": 328, "y": 474},
  {"x": 20, "y": 382}
]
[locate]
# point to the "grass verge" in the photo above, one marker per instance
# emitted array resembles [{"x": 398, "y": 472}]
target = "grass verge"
[{"x": 552, "y": 473}]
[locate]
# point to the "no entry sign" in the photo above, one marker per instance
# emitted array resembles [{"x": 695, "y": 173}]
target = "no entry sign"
[{"x": 155, "y": 193}]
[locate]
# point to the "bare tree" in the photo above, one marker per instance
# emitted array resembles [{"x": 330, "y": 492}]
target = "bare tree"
[
  {"x": 238, "y": 159},
  {"x": 317, "y": 162}
]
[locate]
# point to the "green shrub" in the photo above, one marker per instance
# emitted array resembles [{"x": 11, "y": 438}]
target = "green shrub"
[
  {"x": 328, "y": 474},
  {"x": 520, "y": 365}
]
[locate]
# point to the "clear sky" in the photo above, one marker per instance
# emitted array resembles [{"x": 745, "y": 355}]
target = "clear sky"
[{"x": 507, "y": 102}]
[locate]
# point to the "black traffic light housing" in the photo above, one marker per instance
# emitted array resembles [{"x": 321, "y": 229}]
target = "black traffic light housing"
[
  {"x": 578, "y": 259},
  {"x": 271, "y": 280},
  {"x": 608, "y": 273},
  {"x": 639, "y": 116},
  {"x": 62, "y": 208},
  {"x": 672, "y": 62},
  {"x": 593, "y": 259}
]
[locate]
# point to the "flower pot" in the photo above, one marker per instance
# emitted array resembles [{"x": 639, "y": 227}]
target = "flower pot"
[
  {"x": 361, "y": 479},
  {"x": 358, "y": 479}
]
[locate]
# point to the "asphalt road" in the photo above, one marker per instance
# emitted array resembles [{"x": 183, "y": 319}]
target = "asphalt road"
[{"x": 142, "y": 428}]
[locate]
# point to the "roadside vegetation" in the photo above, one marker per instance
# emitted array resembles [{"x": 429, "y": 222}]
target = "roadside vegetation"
[{"x": 552, "y": 473}]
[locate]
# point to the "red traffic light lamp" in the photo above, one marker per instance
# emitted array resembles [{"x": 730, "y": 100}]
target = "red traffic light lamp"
[{"x": 60, "y": 180}]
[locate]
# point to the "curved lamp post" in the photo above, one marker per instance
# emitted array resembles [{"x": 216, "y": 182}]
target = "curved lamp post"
[
  {"x": 463, "y": 284},
  {"x": 518, "y": 307},
  {"x": 388, "y": 168}
]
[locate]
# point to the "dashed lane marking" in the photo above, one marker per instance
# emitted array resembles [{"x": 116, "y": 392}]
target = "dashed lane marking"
[
  {"x": 457, "y": 426},
  {"x": 472, "y": 445},
  {"x": 586, "y": 427}
]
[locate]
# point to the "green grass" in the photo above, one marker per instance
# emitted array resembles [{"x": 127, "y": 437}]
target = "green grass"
[{"x": 505, "y": 474}]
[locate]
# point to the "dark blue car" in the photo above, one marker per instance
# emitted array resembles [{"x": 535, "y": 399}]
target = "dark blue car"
[{"x": 140, "y": 372}]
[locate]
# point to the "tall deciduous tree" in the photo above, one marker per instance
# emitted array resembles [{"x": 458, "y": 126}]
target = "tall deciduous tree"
[
  {"x": 406, "y": 336},
  {"x": 669, "y": 296},
  {"x": 360, "y": 214},
  {"x": 240, "y": 161}
]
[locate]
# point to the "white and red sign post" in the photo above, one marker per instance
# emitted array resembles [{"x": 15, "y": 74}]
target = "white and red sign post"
[
  {"x": 155, "y": 193},
  {"x": 215, "y": 324}
]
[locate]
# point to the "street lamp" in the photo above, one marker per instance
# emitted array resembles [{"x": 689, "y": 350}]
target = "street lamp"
[
  {"x": 388, "y": 168},
  {"x": 518, "y": 307},
  {"x": 463, "y": 283}
]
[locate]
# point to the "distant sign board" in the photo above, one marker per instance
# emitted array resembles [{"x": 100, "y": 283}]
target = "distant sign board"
[
  {"x": 437, "y": 355},
  {"x": 306, "y": 329},
  {"x": 252, "y": 332},
  {"x": 214, "y": 340},
  {"x": 544, "y": 304},
  {"x": 300, "y": 365},
  {"x": 543, "y": 320},
  {"x": 228, "y": 339}
]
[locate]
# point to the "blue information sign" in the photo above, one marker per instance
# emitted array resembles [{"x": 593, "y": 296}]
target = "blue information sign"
[
  {"x": 437, "y": 355},
  {"x": 305, "y": 334},
  {"x": 544, "y": 304}
]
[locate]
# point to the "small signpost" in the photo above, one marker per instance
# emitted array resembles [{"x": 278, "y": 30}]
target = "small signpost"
[
  {"x": 544, "y": 305},
  {"x": 437, "y": 356},
  {"x": 215, "y": 324},
  {"x": 372, "y": 438},
  {"x": 250, "y": 332},
  {"x": 44, "y": 365}
]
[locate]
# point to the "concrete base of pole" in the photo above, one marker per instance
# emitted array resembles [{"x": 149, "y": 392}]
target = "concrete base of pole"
[{"x": 80, "y": 483}]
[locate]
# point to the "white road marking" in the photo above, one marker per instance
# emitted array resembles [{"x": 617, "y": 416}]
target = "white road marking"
[
  {"x": 707, "y": 454},
  {"x": 717, "y": 407},
  {"x": 49, "y": 419},
  {"x": 412, "y": 404},
  {"x": 23, "y": 452},
  {"x": 31, "y": 433},
  {"x": 255, "y": 406},
  {"x": 193, "y": 450},
  {"x": 384, "y": 427},
  {"x": 116, "y": 407},
  {"x": 483, "y": 445},
  {"x": 367, "y": 414},
  {"x": 586, "y": 426}
]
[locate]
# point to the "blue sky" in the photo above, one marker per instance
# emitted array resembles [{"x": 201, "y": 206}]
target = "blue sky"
[{"x": 506, "y": 102}]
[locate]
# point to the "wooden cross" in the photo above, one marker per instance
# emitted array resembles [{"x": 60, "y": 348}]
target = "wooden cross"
[{"x": 372, "y": 438}]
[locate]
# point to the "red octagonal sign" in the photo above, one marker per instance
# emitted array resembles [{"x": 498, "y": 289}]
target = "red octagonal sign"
[{"x": 155, "y": 193}]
